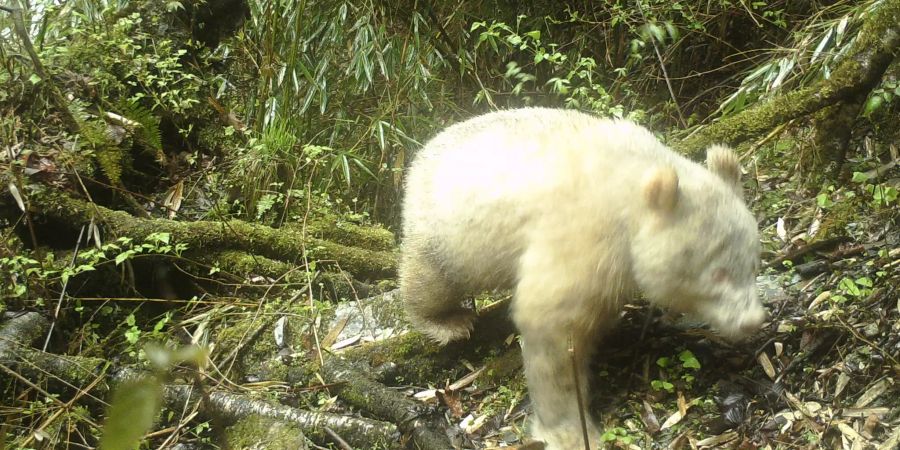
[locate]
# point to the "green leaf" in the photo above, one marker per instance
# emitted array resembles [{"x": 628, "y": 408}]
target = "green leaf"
[
  {"x": 847, "y": 285},
  {"x": 688, "y": 360},
  {"x": 864, "y": 281},
  {"x": 825, "y": 40},
  {"x": 158, "y": 237},
  {"x": 131, "y": 414},
  {"x": 872, "y": 104},
  {"x": 121, "y": 257},
  {"x": 34, "y": 79},
  {"x": 162, "y": 323},
  {"x": 173, "y": 6},
  {"x": 887, "y": 194},
  {"x": 860, "y": 177},
  {"x": 671, "y": 30},
  {"x": 823, "y": 201},
  {"x": 656, "y": 32},
  {"x": 132, "y": 335}
]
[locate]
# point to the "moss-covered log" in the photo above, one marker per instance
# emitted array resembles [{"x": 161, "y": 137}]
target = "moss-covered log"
[
  {"x": 415, "y": 358},
  {"x": 360, "y": 391},
  {"x": 20, "y": 329},
  {"x": 257, "y": 431},
  {"x": 78, "y": 373},
  {"x": 858, "y": 72},
  {"x": 333, "y": 228},
  {"x": 242, "y": 265},
  {"x": 205, "y": 236},
  {"x": 359, "y": 432}
]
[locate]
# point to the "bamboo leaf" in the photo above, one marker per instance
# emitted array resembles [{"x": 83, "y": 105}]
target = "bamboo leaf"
[
  {"x": 14, "y": 191},
  {"x": 821, "y": 46}
]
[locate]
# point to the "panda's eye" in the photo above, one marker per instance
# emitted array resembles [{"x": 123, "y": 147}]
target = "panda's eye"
[{"x": 720, "y": 275}]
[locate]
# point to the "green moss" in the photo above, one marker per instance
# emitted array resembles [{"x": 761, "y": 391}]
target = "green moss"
[
  {"x": 421, "y": 359},
  {"x": 846, "y": 80},
  {"x": 332, "y": 228},
  {"x": 256, "y": 431},
  {"x": 281, "y": 244},
  {"x": 837, "y": 218},
  {"x": 735, "y": 129},
  {"x": 243, "y": 264}
]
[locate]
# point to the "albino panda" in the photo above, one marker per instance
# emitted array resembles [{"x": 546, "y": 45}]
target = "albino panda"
[{"x": 576, "y": 214}]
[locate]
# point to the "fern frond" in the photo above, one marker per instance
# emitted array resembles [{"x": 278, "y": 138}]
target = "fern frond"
[
  {"x": 109, "y": 158},
  {"x": 147, "y": 133}
]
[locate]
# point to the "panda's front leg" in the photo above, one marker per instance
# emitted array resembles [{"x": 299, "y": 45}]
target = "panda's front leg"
[{"x": 558, "y": 314}]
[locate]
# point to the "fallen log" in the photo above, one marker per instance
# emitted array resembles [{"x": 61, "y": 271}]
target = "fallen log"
[
  {"x": 203, "y": 236},
  {"x": 79, "y": 372},
  {"x": 410, "y": 416}
]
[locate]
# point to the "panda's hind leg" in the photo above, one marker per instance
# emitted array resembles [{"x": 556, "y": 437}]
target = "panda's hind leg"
[{"x": 433, "y": 302}]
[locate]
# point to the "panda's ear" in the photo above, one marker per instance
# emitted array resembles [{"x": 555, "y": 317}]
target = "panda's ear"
[
  {"x": 661, "y": 189},
  {"x": 723, "y": 162}
]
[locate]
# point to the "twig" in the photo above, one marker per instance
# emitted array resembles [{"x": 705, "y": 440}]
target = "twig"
[
  {"x": 62, "y": 293},
  {"x": 584, "y": 430},
  {"x": 866, "y": 341},
  {"x": 662, "y": 66},
  {"x": 303, "y": 231},
  {"x": 66, "y": 407},
  {"x": 806, "y": 249},
  {"x": 337, "y": 439}
]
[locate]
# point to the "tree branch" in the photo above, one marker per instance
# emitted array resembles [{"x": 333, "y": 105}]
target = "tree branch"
[{"x": 859, "y": 72}]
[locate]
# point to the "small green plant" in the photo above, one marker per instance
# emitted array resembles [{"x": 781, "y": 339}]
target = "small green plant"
[
  {"x": 681, "y": 368},
  {"x": 824, "y": 199},
  {"x": 133, "y": 333},
  {"x": 850, "y": 288},
  {"x": 126, "y": 59},
  {"x": 662, "y": 385},
  {"x": 617, "y": 434},
  {"x": 881, "y": 96},
  {"x": 574, "y": 78},
  {"x": 880, "y": 195},
  {"x": 26, "y": 277}
]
